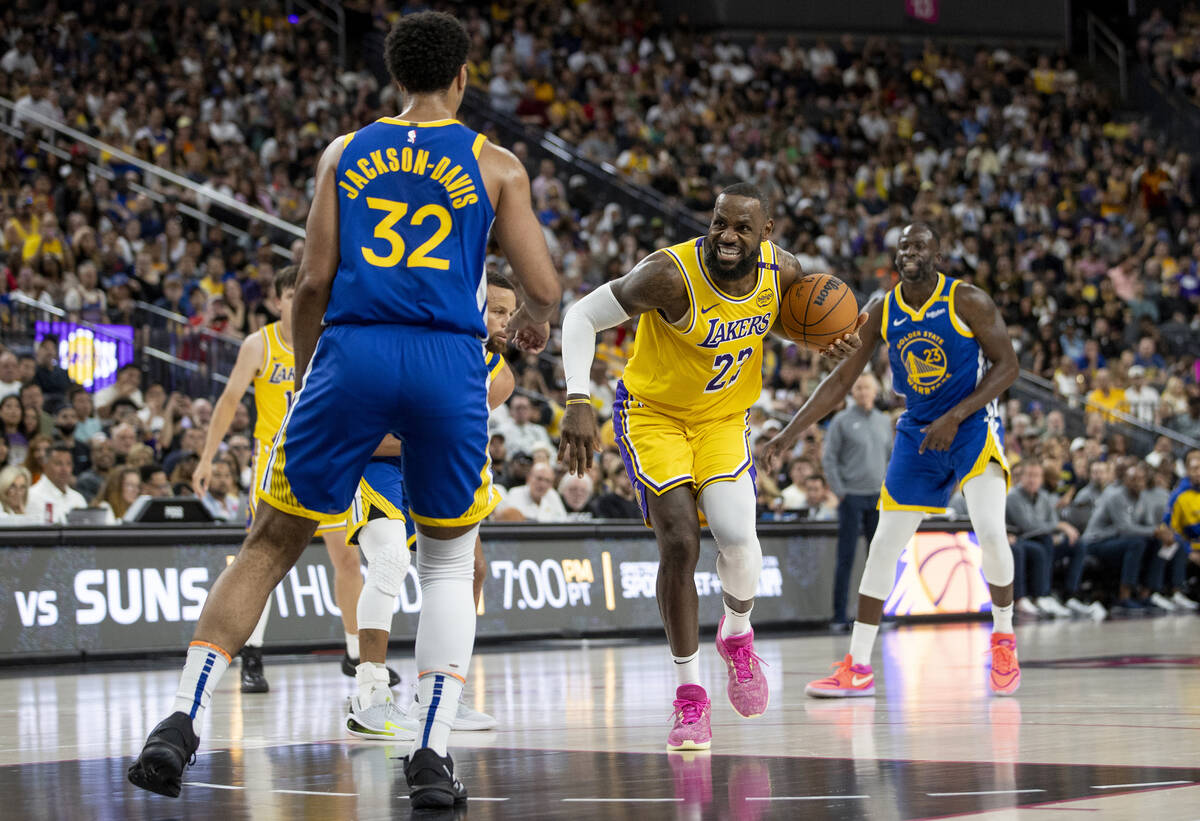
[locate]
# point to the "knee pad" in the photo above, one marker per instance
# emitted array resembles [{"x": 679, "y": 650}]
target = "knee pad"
[
  {"x": 738, "y": 567},
  {"x": 383, "y": 543},
  {"x": 997, "y": 558},
  {"x": 445, "y": 559},
  {"x": 895, "y": 528}
]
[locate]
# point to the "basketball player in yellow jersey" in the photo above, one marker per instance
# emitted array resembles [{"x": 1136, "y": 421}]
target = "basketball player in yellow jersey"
[
  {"x": 266, "y": 360},
  {"x": 680, "y": 417}
]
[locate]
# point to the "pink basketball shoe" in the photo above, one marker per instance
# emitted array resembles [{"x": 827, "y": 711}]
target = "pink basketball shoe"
[
  {"x": 693, "y": 719},
  {"x": 747, "y": 687}
]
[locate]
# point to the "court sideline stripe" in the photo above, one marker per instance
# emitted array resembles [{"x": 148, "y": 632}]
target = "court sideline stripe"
[
  {"x": 978, "y": 792},
  {"x": 803, "y": 797},
  {"x": 1146, "y": 784},
  {"x": 290, "y": 792},
  {"x": 622, "y": 800}
]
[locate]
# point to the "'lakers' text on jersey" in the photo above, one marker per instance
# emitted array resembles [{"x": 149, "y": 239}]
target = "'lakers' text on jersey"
[
  {"x": 272, "y": 385},
  {"x": 414, "y": 218},
  {"x": 710, "y": 365},
  {"x": 936, "y": 363}
]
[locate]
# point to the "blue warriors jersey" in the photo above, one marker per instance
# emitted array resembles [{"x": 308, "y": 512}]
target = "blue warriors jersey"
[
  {"x": 414, "y": 219},
  {"x": 936, "y": 360}
]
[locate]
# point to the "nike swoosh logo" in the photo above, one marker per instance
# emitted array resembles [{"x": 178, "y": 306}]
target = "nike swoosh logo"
[
  {"x": 897, "y": 323},
  {"x": 709, "y": 308},
  {"x": 859, "y": 681}
]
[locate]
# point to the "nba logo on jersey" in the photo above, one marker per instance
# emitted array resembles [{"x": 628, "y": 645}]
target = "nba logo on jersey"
[{"x": 412, "y": 136}]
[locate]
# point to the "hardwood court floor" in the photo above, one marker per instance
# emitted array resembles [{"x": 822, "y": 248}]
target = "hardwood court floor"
[{"x": 1107, "y": 722}]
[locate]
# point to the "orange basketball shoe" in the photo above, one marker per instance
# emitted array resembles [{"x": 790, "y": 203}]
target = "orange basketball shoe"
[
  {"x": 849, "y": 680},
  {"x": 1006, "y": 671}
]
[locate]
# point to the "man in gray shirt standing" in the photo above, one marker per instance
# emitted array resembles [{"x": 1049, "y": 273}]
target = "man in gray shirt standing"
[{"x": 858, "y": 445}]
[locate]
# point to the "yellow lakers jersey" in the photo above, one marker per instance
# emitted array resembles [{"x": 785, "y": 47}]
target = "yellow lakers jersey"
[
  {"x": 709, "y": 364},
  {"x": 273, "y": 384}
]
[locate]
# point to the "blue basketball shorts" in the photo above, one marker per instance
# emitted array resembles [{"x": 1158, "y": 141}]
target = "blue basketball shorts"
[
  {"x": 427, "y": 387},
  {"x": 381, "y": 495},
  {"x": 925, "y": 482}
]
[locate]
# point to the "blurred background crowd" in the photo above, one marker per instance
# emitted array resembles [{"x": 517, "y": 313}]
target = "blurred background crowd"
[{"x": 1076, "y": 218}]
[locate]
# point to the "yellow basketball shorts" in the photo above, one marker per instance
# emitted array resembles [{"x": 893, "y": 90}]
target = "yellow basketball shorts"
[{"x": 662, "y": 452}]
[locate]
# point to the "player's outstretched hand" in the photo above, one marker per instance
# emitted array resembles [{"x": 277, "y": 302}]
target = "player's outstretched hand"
[
  {"x": 778, "y": 447},
  {"x": 939, "y": 435},
  {"x": 845, "y": 347},
  {"x": 580, "y": 438},
  {"x": 200, "y": 477}
]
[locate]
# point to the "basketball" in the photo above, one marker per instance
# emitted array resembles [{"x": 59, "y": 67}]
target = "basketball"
[{"x": 818, "y": 310}]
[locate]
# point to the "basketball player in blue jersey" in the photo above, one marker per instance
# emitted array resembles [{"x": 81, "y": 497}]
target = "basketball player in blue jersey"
[
  {"x": 951, "y": 359},
  {"x": 379, "y": 522},
  {"x": 394, "y": 262}
]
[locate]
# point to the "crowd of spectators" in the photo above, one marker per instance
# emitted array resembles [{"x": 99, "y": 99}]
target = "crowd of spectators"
[
  {"x": 68, "y": 449},
  {"x": 1171, "y": 49},
  {"x": 1082, "y": 227}
]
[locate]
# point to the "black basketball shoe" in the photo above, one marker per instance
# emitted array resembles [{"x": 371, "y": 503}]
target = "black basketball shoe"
[
  {"x": 253, "y": 680},
  {"x": 431, "y": 781},
  {"x": 170, "y": 747},
  {"x": 348, "y": 665}
]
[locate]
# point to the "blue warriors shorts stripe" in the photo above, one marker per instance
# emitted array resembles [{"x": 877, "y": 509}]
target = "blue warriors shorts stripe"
[
  {"x": 427, "y": 387},
  {"x": 662, "y": 452},
  {"x": 924, "y": 482},
  {"x": 381, "y": 496}
]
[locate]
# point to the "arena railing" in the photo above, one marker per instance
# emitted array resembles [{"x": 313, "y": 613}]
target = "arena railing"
[
  {"x": 1100, "y": 38},
  {"x": 1141, "y": 436},
  {"x": 202, "y": 220},
  {"x": 321, "y": 11},
  {"x": 281, "y": 228},
  {"x": 189, "y": 360}
]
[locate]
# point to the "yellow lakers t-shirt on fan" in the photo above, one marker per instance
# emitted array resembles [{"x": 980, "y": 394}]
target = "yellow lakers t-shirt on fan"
[{"x": 710, "y": 366}]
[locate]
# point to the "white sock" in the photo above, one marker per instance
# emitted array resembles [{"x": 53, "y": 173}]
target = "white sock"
[
  {"x": 1002, "y": 619},
  {"x": 438, "y": 695},
  {"x": 735, "y": 623},
  {"x": 205, "y": 665},
  {"x": 687, "y": 668},
  {"x": 256, "y": 638},
  {"x": 352, "y": 645},
  {"x": 372, "y": 680},
  {"x": 862, "y": 642}
]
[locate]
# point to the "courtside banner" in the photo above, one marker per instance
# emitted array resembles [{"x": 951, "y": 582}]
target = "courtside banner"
[{"x": 141, "y": 588}]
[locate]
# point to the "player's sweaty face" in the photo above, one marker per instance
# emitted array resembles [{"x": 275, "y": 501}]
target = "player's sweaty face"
[
  {"x": 915, "y": 254},
  {"x": 731, "y": 246}
]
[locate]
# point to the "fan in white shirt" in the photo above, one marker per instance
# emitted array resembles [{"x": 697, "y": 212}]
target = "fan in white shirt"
[
  {"x": 522, "y": 433},
  {"x": 537, "y": 499},
  {"x": 1141, "y": 399},
  {"x": 52, "y": 497}
]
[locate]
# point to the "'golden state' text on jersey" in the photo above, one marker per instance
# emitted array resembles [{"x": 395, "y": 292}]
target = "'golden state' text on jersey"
[
  {"x": 936, "y": 360},
  {"x": 414, "y": 218},
  {"x": 709, "y": 366}
]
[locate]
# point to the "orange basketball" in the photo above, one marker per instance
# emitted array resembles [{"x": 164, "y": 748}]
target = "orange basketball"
[{"x": 818, "y": 310}]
